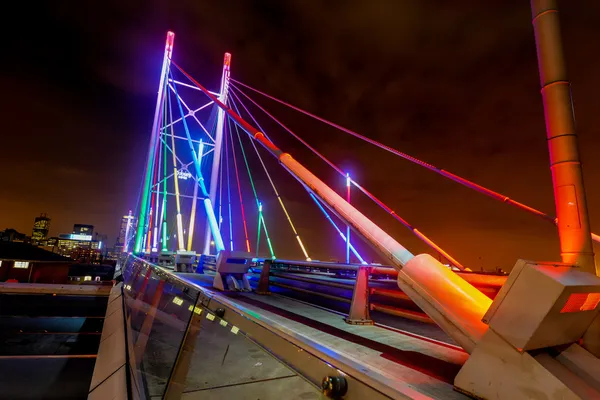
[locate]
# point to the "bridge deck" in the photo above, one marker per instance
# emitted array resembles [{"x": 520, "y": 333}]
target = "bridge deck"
[{"x": 410, "y": 364}]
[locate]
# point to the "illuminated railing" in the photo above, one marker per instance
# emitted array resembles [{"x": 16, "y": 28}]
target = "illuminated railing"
[{"x": 378, "y": 290}]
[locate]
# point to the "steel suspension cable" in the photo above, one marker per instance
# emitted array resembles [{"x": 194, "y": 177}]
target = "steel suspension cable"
[
  {"x": 163, "y": 211},
  {"x": 440, "y": 171},
  {"x": 180, "y": 238},
  {"x": 339, "y": 231},
  {"x": 157, "y": 225},
  {"x": 383, "y": 242},
  {"x": 277, "y": 195},
  {"x": 156, "y": 194},
  {"x": 220, "y": 194},
  {"x": 152, "y": 204},
  {"x": 208, "y": 207},
  {"x": 228, "y": 193},
  {"x": 237, "y": 178},
  {"x": 261, "y": 220},
  {"x": 419, "y": 234}
]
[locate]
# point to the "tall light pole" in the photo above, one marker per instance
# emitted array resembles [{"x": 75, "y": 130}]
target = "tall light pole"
[{"x": 212, "y": 194}]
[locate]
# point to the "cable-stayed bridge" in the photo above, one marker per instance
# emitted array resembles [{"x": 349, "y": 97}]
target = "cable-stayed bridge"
[{"x": 201, "y": 262}]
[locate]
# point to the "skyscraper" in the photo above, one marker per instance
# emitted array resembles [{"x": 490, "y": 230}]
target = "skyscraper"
[
  {"x": 126, "y": 231},
  {"x": 41, "y": 227}
]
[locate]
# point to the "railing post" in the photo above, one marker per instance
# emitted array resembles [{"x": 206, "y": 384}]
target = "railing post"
[
  {"x": 359, "y": 308},
  {"x": 200, "y": 267},
  {"x": 176, "y": 382},
  {"x": 263, "y": 281}
]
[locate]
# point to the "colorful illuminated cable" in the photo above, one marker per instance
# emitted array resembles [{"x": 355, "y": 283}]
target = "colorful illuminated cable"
[
  {"x": 237, "y": 178},
  {"x": 348, "y": 226},
  {"x": 180, "y": 237},
  {"x": 287, "y": 215},
  {"x": 161, "y": 154},
  {"x": 258, "y": 226},
  {"x": 440, "y": 171},
  {"x": 140, "y": 234},
  {"x": 262, "y": 220},
  {"x": 220, "y": 194},
  {"x": 228, "y": 193},
  {"x": 208, "y": 207},
  {"x": 415, "y": 231},
  {"x": 163, "y": 211},
  {"x": 194, "y": 200},
  {"x": 153, "y": 193},
  {"x": 258, "y": 203}
]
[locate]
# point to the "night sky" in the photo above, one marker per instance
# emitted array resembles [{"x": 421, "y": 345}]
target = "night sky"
[{"x": 453, "y": 84}]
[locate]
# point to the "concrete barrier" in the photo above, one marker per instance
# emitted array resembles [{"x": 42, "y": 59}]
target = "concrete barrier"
[{"x": 109, "y": 380}]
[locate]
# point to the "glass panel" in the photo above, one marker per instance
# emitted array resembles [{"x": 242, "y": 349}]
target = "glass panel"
[
  {"x": 228, "y": 365},
  {"x": 158, "y": 308}
]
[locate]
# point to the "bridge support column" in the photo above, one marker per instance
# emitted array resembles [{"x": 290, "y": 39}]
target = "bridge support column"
[
  {"x": 359, "y": 308},
  {"x": 212, "y": 194},
  {"x": 154, "y": 138},
  {"x": 263, "y": 281},
  {"x": 567, "y": 177}
]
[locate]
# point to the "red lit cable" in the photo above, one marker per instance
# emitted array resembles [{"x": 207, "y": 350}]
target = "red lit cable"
[
  {"x": 449, "y": 175},
  {"x": 243, "y": 123},
  {"x": 156, "y": 168},
  {"x": 419, "y": 234}
]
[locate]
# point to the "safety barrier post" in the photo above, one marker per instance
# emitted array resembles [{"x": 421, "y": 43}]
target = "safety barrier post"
[
  {"x": 263, "y": 282},
  {"x": 359, "y": 308}
]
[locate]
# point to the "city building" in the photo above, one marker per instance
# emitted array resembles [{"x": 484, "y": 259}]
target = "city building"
[
  {"x": 41, "y": 227},
  {"x": 22, "y": 262},
  {"x": 67, "y": 243},
  {"x": 91, "y": 273},
  {"x": 87, "y": 255},
  {"x": 50, "y": 244},
  {"x": 12, "y": 235},
  {"x": 83, "y": 230},
  {"x": 126, "y": 231}
]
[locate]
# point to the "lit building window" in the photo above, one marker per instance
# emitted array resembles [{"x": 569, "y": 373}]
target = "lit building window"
[
  {"x": 0, "y": 263},
  {"x": 21, "y": 264},
  {"x": 87, "y": 278}
]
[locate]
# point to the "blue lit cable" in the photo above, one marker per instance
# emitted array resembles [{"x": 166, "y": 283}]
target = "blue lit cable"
[{"x": 362, "y": 261}]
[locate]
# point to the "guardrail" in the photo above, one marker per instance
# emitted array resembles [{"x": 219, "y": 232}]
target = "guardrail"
[
  {"x": 181, "y": 338},
  {"x": 364, "y": 287}
]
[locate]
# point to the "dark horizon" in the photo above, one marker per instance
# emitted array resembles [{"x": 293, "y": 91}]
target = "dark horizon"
[{"x": 454, "y": 85}]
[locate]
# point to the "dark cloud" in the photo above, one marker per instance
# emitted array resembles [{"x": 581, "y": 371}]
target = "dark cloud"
[{"x": 452, "y": 83}]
